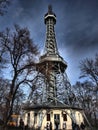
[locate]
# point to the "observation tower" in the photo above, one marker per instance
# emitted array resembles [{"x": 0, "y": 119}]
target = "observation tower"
[{"x": 57, "y": 105}]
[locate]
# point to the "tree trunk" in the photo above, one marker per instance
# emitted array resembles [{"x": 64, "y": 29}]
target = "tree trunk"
[
  {"x": 4, "y": 127},
  {"x": 95, "y": 120}
]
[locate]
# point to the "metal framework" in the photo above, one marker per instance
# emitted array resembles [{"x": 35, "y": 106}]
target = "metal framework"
[
  {"x": 52, "y": 63},
  {"x": 55, "y": 86}
]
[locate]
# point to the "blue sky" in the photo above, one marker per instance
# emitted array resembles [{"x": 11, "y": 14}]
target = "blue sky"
[{"x": 76, "y": 28}]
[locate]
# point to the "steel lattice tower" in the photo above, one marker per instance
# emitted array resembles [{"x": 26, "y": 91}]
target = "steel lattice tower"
[
  {"x": 52, "y": 63},
  {"x": 57, "y": 98}
]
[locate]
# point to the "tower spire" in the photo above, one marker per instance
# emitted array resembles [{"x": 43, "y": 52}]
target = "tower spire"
[
  {"x": 50, "y": 21},
  {"x": 49, "y": 9}
]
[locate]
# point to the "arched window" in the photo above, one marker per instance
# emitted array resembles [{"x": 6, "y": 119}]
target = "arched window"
[
  {"x": 64, "y": 117},
  {"x": 48, "y": 117}
]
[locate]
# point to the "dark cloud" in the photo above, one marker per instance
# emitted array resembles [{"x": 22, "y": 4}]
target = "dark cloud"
[
  {"x": 80, "y": 26},
  {"x": 76, "y": 28}
]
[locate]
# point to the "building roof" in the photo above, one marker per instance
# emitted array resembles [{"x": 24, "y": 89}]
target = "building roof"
[{"x": 51, "y": 105}]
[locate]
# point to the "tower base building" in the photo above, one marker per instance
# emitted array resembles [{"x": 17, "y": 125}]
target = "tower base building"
[{"x": 54, "y": 117}]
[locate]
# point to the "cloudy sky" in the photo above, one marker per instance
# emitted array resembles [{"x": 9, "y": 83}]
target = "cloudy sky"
[{"x": 76, "y": 28}]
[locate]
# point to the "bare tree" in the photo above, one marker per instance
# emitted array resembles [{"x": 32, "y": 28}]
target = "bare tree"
[
  {"x": 3, "y": 6},
  {"x": 4, "y": 89},
  {"x": 89, "y": 70},
  {"x": 18, "y": 52},
  {"x": 4, "y": 92},
  {"x": 87, "y": 99}
]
